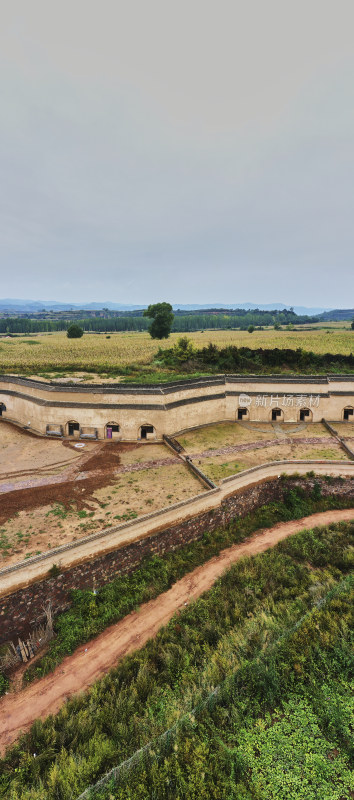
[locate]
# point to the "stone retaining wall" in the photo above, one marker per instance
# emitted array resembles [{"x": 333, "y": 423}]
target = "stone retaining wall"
[{"x": 20, "y": 611}]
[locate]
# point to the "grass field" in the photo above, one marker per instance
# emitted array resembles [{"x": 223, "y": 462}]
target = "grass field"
[
  {"x": 251, "y": 683},
  {"x": 218, "y": 467},
  {"x": 50, "y": 353},
  {"x": 227, "y": 434},
  {"x": 344, "y": 429},
  {"x": 227, "y": 448}
]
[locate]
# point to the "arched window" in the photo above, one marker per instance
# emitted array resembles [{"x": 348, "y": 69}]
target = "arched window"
[
  {"x": 348, "y": 414},
  {"x": 147, "y": 432},
  {"x": 305, "y": 415},
  {"x": 277, "y": 415}
]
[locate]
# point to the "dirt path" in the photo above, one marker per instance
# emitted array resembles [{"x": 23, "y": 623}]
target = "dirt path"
[{"x": 90, "y": 662}]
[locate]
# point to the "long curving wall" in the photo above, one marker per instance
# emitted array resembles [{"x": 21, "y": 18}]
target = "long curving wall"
[
  {"x": 131, "y": 412},
  {"x": 114, "y": 538},
  {"x": 21, "y": 606}
]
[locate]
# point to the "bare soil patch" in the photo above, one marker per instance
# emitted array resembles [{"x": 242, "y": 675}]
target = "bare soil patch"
[
  {"x": 23, "y": 452},
  {"x": 93, "y": 660},
  {"x": 106, "y": 484}
]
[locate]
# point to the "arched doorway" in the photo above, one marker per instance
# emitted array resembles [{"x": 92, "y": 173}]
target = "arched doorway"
[
  {"x": 147, "y": 432},
  {"x": 2, "y": 408},
  {"x": 242, "y": 413},
  {"x": 348, "y": 414},
  {"x": 305, "y": 415},
  {"x": 112, "y": 430},
  {"x": 73, "y": 428},
  {"x": 277, "y": 415}
]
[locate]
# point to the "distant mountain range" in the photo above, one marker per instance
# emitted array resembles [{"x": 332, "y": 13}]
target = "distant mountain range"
[{"x": 14, "y": 306}]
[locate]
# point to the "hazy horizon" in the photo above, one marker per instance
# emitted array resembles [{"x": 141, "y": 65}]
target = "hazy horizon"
[
  {"x": 176, "y": 304},
  {"x": 152, "y": 151}
]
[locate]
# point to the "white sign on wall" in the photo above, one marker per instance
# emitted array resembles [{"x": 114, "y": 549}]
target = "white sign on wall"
[{"x": 279, "y": 401}]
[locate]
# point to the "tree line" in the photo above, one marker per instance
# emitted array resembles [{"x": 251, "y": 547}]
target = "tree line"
[{"x": 182, "y": 323}]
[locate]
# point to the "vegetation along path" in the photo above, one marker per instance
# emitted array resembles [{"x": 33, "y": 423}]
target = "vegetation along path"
[{"x": 77, "y": 672}]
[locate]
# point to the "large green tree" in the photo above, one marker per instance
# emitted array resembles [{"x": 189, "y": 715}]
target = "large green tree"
[
  {"x": 162, "y": 318},
  {"x": 74, "y": 331}
]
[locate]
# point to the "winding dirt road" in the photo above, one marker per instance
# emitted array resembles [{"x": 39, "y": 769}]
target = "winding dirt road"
[{"x": 90, "y": 662}]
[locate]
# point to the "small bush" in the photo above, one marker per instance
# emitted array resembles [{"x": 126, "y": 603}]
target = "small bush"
[
  {"x": 74, "y": 331},
  {"x": 54, "y": 571},
  {"x": 4, "y": 684}
]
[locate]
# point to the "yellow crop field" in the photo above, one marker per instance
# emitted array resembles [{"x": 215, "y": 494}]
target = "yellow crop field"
[{"x": 50, "y": 352}]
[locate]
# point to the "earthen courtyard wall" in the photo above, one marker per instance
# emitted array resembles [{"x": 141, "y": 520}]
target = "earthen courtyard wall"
[
  {"x": 173, "y": 407},
  {"x": 22, "y": 609}
]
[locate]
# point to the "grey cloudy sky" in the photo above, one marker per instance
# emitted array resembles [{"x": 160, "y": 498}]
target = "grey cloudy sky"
[{"x": 190, "y": 151}]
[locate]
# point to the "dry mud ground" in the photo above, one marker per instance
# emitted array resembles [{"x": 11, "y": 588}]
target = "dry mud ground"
[
  {"x": 227, "y": 448},
  {"x": 52, "y": 493},
  {"x": 89, "y": 663}
]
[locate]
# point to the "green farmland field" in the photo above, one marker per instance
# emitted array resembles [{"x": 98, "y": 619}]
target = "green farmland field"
[
  {"x": 245, "y": 695},
  {"x": 131, "y": 353}
]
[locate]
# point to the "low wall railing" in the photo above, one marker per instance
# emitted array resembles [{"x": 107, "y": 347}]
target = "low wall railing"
[
  {"x": 171, "y": 442},
  {"x": 342, "y": 442},
  {"x": 36, "y": 568},
  {"x": 177, "y": 448}
]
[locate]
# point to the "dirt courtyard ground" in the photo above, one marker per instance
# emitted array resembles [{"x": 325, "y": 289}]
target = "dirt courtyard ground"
[
  {"x": 52, "y": 493},
  {"x": 344, "y": 429},
  {"x": 224, "y": 449},
  {"x": 25, "y": 454}
]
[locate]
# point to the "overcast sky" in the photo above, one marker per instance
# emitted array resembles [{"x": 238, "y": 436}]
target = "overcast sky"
[{"x": 190, "y": 151}]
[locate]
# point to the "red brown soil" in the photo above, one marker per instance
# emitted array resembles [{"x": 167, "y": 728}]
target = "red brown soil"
[
  {"x": 101, "y": 464},
  {"x": 89, "y": 663}
]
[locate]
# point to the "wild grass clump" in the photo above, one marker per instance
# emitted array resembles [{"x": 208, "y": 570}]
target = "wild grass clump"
[
  {"x": 90, "y": 614},
  {"x": 269, "y": 637}
]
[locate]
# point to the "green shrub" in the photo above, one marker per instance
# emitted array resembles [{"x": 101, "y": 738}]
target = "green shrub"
[
  {"x": 54, "y": 571},
  {"x": 157, "y": 574},
  {"x": 74, "y": 331},
  {"x": 4, "y": 684},
  {"x": 274, "y": 653}
]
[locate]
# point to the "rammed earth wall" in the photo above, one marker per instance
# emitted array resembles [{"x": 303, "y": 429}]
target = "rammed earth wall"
[
  {"x": 21, "y": 611},
  {"x": 172, "y": 407}
]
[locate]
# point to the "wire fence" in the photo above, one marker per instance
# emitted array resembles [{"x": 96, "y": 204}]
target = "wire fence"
[{"x": 161, "y": 746}]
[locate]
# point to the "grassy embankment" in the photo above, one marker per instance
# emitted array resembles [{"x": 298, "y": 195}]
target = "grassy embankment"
[
  {"x": 89, "y": 614},
  {"x": 274, "y": 636}
]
